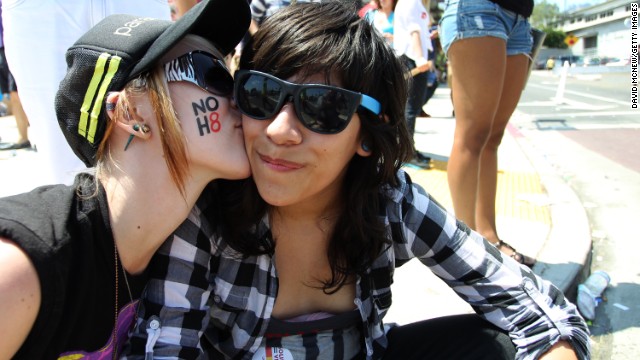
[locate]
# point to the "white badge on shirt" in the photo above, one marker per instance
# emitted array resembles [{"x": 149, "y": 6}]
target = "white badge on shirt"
[{"x": 272, "y": 353}]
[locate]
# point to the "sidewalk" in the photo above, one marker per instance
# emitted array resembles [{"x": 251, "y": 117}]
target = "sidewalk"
[
  {"x": 18, "y": 168},
  {"x": 536, "y": 212}
]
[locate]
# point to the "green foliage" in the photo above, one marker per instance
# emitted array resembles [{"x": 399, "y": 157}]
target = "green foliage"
[
  {"x": 554, "y": 39},
  {"x": 543, "y": 14},
  {"x": 542, "y": 17}
]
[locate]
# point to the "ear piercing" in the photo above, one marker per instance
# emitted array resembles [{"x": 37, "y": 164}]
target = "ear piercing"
[
  {"x": 135, "y": 127},
  {"x": 144, "y": 128},
  {"x": 366, "y": 146},
  {"x": 110, "y": 106}
]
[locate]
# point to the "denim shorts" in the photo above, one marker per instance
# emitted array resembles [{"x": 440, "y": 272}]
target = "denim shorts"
[{"x": 464, "y": 19}]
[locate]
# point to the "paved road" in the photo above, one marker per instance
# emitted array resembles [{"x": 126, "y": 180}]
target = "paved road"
[
  {"x": 592, "y": 139},
  {"x": 588, "y": 102}
]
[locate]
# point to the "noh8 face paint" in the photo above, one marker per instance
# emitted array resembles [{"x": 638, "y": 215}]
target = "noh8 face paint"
[{"x": 206, "y": 115}]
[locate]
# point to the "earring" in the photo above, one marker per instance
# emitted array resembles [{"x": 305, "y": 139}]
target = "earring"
[
  {"x": 110, "y": 106},
  {"x": 366, "y": 146},
  {"x": 136, "y": 127}
]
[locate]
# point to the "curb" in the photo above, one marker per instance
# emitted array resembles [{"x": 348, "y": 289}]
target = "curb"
[{"x": 565, "y": 257}]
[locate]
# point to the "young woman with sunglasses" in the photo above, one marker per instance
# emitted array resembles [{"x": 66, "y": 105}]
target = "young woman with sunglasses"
[
  {"x": 303, "y": 266},
  {"x": 147, "y": 103}
]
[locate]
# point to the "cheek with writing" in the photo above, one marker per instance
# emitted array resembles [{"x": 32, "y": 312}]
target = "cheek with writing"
[{"x": 206, "y": 115}]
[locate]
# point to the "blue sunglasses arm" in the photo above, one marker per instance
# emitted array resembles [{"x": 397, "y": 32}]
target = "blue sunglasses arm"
[{"x": 370, "y": 104}]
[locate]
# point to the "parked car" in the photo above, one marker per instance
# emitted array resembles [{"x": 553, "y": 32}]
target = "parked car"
[
  {"x": 574, "y": 60},
  {"x": 618, "y": 62},
  {"x": 540, "y": 64},
  {"x": 595, "y": 61}
]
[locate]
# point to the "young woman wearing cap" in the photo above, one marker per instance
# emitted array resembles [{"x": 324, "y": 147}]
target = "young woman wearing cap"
[
  {"x": 72, "y": 257},
  {"x": 304, "y": 264}
]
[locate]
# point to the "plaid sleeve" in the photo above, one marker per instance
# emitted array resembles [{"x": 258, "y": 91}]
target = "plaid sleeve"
[
  {"x": 534, "y": 312},
  {"x": 177, "y": 294}
]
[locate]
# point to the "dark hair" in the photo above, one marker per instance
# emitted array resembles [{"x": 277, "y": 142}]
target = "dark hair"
[{"x": 329, "y": 38}]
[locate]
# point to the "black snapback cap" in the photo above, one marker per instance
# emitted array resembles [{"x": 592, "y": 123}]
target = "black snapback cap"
[{"x": 121, "y": 47}]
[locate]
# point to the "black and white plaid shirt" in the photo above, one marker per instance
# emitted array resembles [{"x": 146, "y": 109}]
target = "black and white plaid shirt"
[{"x": 198, "y": 274}]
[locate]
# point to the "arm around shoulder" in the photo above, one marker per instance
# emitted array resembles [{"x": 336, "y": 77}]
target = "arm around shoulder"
[{"x": 19, "y": 297}]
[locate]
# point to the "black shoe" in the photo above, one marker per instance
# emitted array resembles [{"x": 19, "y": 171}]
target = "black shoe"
[
  {"x": 16, "y": 146},
  {"x": 421, "y": 160},
  {"x": 421, "y": 157}
]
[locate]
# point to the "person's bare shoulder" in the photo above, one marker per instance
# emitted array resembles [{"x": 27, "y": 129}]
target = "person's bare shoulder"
[{"x": 19, "y": 297}]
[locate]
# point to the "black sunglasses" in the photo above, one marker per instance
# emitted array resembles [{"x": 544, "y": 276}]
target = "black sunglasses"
[
  {"x": 202, "y": 69},
  {"x": 321, "y": 108}
]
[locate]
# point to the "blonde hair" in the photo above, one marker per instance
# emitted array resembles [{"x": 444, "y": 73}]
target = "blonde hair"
[{"x": 154, "y": 85}]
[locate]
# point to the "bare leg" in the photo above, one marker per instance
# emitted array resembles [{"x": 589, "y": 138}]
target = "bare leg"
[
  {"x": 486, "y": 199},
  {"x": 21, "y": 118},
  {"x": 479, "y": 66}
]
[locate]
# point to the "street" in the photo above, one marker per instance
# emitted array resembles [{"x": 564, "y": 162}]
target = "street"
[{"x": 590, "y": 136}]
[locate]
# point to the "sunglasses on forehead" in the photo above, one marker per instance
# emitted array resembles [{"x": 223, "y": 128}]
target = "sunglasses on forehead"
[
  {"x": 323, "y": 109},
  {"x": 202, "y": 69}
]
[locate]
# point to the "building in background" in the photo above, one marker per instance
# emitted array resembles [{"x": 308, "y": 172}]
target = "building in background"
[{"x": 602, "y": 31}]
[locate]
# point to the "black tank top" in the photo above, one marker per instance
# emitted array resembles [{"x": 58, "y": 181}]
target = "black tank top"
[{"x": 520, "y": 7}]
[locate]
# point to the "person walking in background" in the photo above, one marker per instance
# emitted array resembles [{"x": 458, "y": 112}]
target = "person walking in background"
[
  {"x": 161, "y": 127},
  {"x": 382, "y": 18},
  {"x": 50, "y": 27},
  {"x": 22, "y": 123},
  {"x": 488, "y": 43},
  {"x": 8, "y": 87},
  {"x": 413, "y": 45},
  {"x": 432, "y": 74}
]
